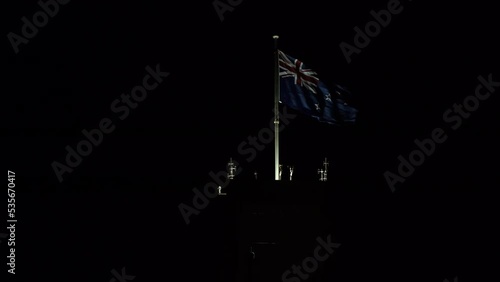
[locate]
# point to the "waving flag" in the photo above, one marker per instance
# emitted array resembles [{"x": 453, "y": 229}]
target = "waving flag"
[{"x": 300, "y": 89}]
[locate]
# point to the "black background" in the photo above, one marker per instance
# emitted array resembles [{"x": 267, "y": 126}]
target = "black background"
[{"x": 119, "y": 208}]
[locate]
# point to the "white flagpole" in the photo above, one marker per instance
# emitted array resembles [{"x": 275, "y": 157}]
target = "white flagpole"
[{"x": 276, "y": 110}]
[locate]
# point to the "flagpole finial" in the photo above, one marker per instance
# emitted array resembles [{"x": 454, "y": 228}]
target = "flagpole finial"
[{"x": 276, "y": 36}]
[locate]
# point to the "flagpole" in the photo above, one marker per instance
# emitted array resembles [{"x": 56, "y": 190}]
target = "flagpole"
[{"x": 276, "y": 110}]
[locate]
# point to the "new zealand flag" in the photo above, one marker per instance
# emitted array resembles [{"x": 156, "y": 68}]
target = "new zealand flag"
[{"x": 300, "y": 89}]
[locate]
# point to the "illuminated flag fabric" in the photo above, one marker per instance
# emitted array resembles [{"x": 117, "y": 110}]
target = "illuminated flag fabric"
[{"x": 300, "y": 89}]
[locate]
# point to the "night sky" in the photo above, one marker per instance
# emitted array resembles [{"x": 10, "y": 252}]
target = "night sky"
[{"x": 119, "y": 206}]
